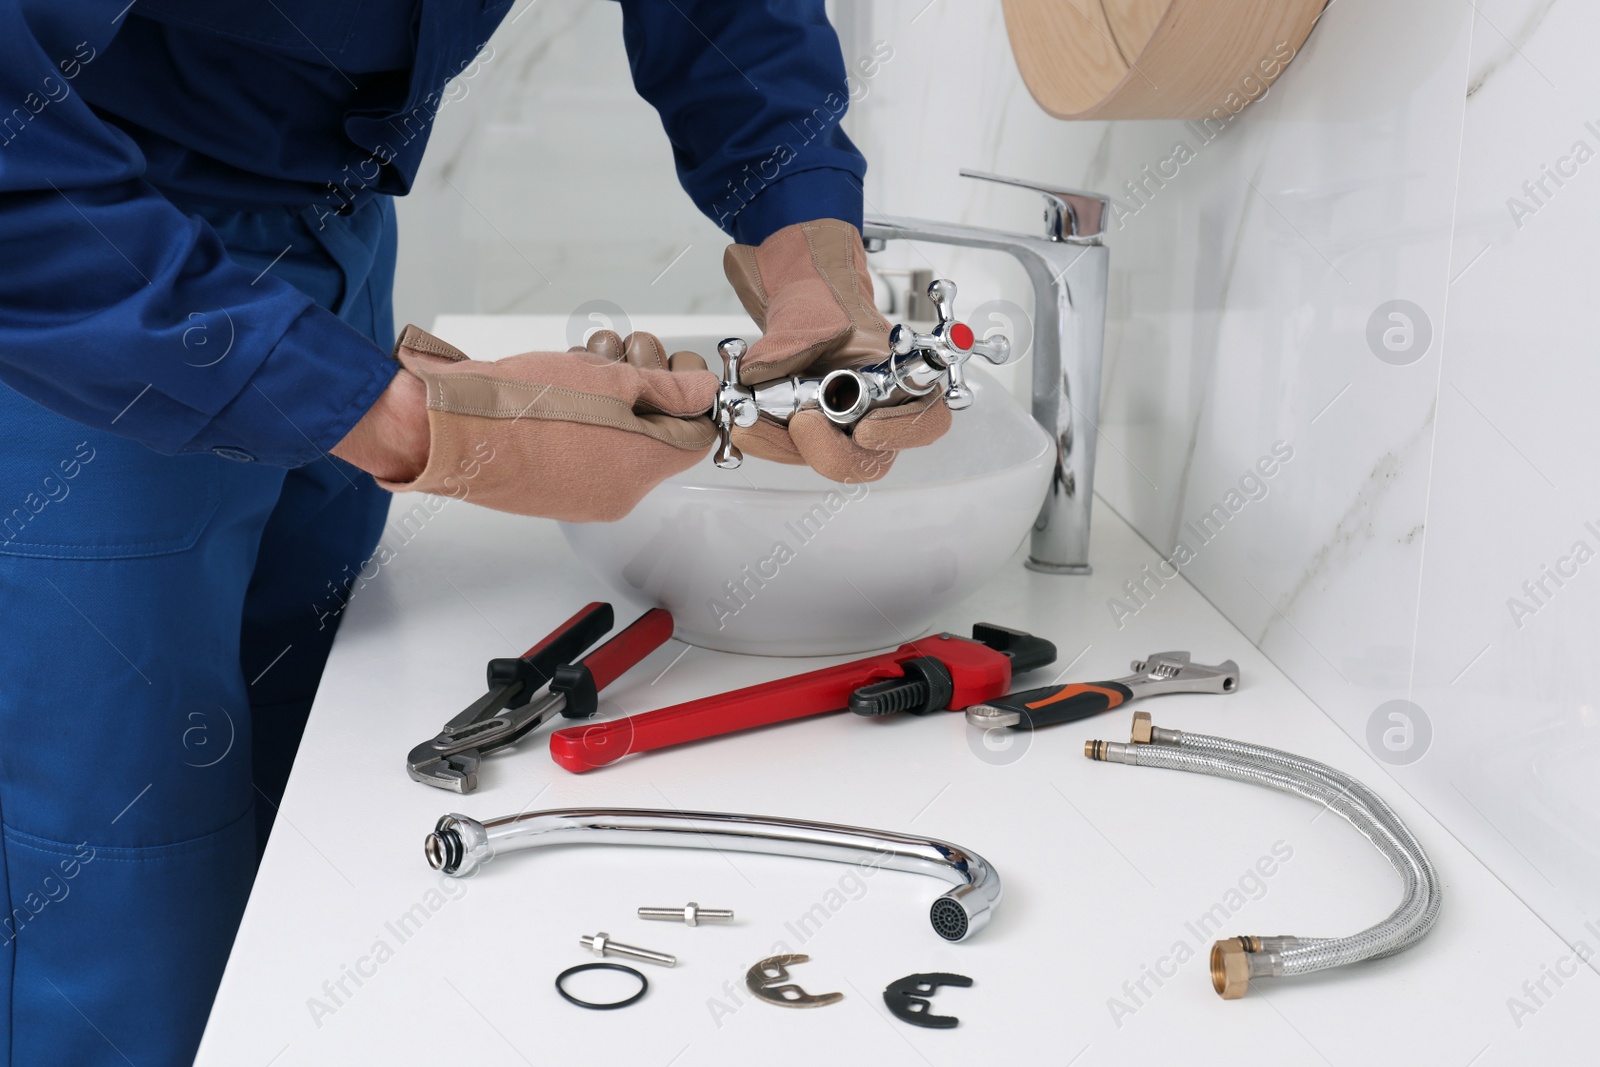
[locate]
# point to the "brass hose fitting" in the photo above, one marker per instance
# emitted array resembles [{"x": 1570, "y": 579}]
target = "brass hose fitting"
[
  {"x": 1230, "y": 968},
  {"x": 1236, "y": 960},
  {"x": 1145, "y": 732},
  {"x": 1141, "y": 728}
]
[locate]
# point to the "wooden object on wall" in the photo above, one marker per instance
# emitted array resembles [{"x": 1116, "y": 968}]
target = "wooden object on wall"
[{"x": 1154, "y": 59}]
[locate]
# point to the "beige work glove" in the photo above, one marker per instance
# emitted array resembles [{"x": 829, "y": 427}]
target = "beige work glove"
[
  {"x": 808, "y": 289},
  {"x": 579, "y": 436}
]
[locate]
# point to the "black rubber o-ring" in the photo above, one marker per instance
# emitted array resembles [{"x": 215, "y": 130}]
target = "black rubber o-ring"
[{"x": 644, "y": 984}]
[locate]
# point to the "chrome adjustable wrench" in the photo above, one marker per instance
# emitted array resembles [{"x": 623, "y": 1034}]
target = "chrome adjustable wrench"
[
  {"x": 1162, "y": 672},
  {"x": 509, "y": 710}
]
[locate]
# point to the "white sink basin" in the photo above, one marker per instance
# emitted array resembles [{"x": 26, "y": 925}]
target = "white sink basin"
[{"x": 776, "y": 560}]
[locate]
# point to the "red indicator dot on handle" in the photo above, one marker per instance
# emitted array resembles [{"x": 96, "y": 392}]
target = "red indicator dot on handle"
[{"x": 961, "y": 335}]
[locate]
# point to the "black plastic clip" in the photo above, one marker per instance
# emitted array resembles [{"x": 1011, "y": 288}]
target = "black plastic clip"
[{"x": 904, "y": 1000}]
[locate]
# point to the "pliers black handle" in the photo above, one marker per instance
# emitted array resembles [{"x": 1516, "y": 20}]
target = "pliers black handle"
[{"x": 508, "y": 712}]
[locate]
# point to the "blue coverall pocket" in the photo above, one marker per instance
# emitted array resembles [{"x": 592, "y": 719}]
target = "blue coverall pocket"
[
  {"x": 92, "y": 495},
  {"x": 165, "y": 913}
]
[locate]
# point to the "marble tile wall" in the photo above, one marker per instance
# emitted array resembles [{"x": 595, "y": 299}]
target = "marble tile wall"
[
  {"x": 549, "y": 184},
  {"x": 1508, "y": 612},
  {"x": 1439, "y": 460},
  {"x": 1380, "y": 488}
]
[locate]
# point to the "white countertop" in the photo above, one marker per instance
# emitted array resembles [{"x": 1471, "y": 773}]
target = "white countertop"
[{"x": 1090, "y": 958}]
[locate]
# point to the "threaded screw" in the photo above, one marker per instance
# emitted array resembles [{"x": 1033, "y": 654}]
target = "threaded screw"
[
  {"x": 691, "y": 914},
  {"x": 602, "y": 945}
]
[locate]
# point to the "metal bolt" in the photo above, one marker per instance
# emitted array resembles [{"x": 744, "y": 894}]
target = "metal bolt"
[
  {"x": 690, "y": 914},
  {"x": 602, "y": 945}
]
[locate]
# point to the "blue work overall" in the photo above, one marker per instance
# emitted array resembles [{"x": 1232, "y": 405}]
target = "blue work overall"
[
  {"x": 196, "y": 215},
  {"x": 177, "y": 620}
]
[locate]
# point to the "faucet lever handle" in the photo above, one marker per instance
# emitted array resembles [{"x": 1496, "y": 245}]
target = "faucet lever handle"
[
  {"x": 732, "y": 351},
  {"x": 942, "y": 295},
  {"x": 957, "y": 394},
  {"x": 1070, "y": 214},
  {"x": 997, "y": 349},
  {"x": 728, "y": 457}
]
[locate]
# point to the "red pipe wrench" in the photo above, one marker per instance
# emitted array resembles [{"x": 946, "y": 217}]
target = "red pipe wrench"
[{"x": 938, "y": 672}]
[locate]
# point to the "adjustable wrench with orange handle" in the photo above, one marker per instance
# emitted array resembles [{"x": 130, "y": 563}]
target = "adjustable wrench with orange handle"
[
  {"x": 1160, "y": 672},
  {"x": 932, "y": 674}
]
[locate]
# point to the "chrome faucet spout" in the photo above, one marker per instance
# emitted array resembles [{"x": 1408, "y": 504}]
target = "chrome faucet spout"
[
  {"x": 1067, "y": 268},
  {"x": 459, "y": 845}
]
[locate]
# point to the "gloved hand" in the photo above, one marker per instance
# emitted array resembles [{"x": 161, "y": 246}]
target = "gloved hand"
[
  {"x": 579, "y": 436},
  {"x": 808, "y": 289}
]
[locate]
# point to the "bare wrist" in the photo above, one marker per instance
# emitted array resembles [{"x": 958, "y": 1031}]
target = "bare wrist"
[{"x": 391, "y": 440}]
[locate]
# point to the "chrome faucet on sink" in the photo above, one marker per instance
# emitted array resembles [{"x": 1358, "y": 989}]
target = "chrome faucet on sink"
[
  {"x": 749, "y": 563},
  {"x": 1067, "y": 267}
]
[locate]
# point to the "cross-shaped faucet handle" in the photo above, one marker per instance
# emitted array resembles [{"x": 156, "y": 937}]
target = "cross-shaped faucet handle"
[
  {"x": 950, "y": 345},
  {"x": 735, "y": 407}
]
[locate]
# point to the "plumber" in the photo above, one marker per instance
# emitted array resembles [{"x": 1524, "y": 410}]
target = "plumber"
[{"x": 202, "y": 409}]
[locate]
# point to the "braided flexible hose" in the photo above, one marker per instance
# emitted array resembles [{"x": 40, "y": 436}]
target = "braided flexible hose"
[
  {"x": 1340, "y": 793},
  {"x": 1402, "y": 843}
]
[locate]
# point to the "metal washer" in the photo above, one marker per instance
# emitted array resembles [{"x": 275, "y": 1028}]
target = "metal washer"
[{"x": 644, "y": 985}]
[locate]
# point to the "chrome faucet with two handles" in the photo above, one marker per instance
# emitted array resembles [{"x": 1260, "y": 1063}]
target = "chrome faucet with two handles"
[{"x": 918, "y": 364}]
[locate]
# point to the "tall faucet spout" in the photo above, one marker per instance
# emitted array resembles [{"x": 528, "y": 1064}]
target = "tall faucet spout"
[{"x": 1068, "y": 271}]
